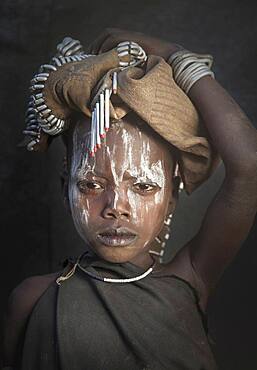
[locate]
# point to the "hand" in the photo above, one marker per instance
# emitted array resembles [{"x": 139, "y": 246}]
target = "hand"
[{"x": 111, "y": 37}]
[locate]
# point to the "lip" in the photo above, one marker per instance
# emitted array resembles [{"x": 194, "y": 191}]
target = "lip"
[{"x": 117, "y": 237}]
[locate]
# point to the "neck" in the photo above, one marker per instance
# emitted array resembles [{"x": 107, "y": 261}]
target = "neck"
[{"x": 143, "y": 260}]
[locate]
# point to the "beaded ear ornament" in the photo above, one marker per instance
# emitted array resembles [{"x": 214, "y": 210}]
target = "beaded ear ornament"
[
  {"x": 39, "y": 117},
  {"x": 160, "y": 241}
]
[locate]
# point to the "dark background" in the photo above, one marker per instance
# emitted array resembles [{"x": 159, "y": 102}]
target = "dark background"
[{"x": 36, "y": 231}]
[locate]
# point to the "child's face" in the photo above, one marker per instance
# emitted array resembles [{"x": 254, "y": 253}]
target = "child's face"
[{"x": 119, "y": 199}]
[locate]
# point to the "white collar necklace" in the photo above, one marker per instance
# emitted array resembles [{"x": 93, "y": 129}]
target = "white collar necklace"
[{"x": 101, "y": 278}]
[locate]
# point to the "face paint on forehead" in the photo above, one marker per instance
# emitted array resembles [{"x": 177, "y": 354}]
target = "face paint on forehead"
[
  {"x": 138, "y": 162},
  {"x": 127, "y": 154}
]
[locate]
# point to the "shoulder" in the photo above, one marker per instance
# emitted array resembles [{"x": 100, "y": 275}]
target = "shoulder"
[
  {"x": 181, "y": 266},
  {"x": 19, "y": 307},
  {"x": 30, "y": 289},
  {"x": 23, "y": 298}
]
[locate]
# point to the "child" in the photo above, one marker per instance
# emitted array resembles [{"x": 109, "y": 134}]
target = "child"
[{"x": 118, "y": 306}]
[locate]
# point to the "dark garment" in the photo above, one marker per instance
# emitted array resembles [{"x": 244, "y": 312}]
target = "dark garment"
[{"x": 85, "y": 324}]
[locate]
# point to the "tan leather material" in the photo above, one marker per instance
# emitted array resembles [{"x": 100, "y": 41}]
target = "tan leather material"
[
  {"x": 151, "y": 92},
  {"x": 71, "y": 86},
  {"x": 156, "y": 98}
]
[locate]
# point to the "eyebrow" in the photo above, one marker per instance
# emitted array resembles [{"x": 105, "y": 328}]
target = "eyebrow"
[
  {"x": 82, "y": 173},
  {"x": 126, "y": 175}
]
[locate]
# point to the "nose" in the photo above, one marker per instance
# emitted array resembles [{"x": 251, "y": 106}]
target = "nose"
[{"x": 117, "y": 206}]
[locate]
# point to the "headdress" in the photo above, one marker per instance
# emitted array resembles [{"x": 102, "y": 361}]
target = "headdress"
[{"x": 110, "y": 85}]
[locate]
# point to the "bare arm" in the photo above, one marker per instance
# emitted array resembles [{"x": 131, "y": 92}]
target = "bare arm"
[{"x": 231, "y": 214}]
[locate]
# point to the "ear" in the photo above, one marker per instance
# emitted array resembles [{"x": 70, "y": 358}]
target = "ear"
[
  {"x": 64, "y": 185},
  {"x": 174, "y": 196},
  {"x": 175, "y": 187}
]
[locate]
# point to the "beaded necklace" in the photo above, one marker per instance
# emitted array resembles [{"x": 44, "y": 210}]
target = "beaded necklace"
[{"x": 100, "y": 278}]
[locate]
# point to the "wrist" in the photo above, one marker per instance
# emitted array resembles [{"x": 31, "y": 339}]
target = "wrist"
[
  {"x": 189, "y": 67},
  {"x": 170, "y": 50}
]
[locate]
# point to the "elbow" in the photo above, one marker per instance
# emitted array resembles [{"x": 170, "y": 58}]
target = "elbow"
[{"x": 242, "y": 182}]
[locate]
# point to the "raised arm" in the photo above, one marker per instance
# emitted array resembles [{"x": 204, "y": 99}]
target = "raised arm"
[{"x": 231, "y": 213}]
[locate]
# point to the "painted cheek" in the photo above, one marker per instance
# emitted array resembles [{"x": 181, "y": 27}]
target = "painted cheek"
[
  {"x": 159, "y": 197},
  {"x": 142, "y": 206}
]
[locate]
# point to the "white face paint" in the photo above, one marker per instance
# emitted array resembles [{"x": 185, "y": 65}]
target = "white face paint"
[
  {"x": 131, "y": 175},
  {"x": 79, "y": 168}
]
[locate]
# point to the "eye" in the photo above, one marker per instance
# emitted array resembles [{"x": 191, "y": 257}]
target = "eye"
[
  {"x": 87, "y": 186},
  {"x": 145, "y": 188}
]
